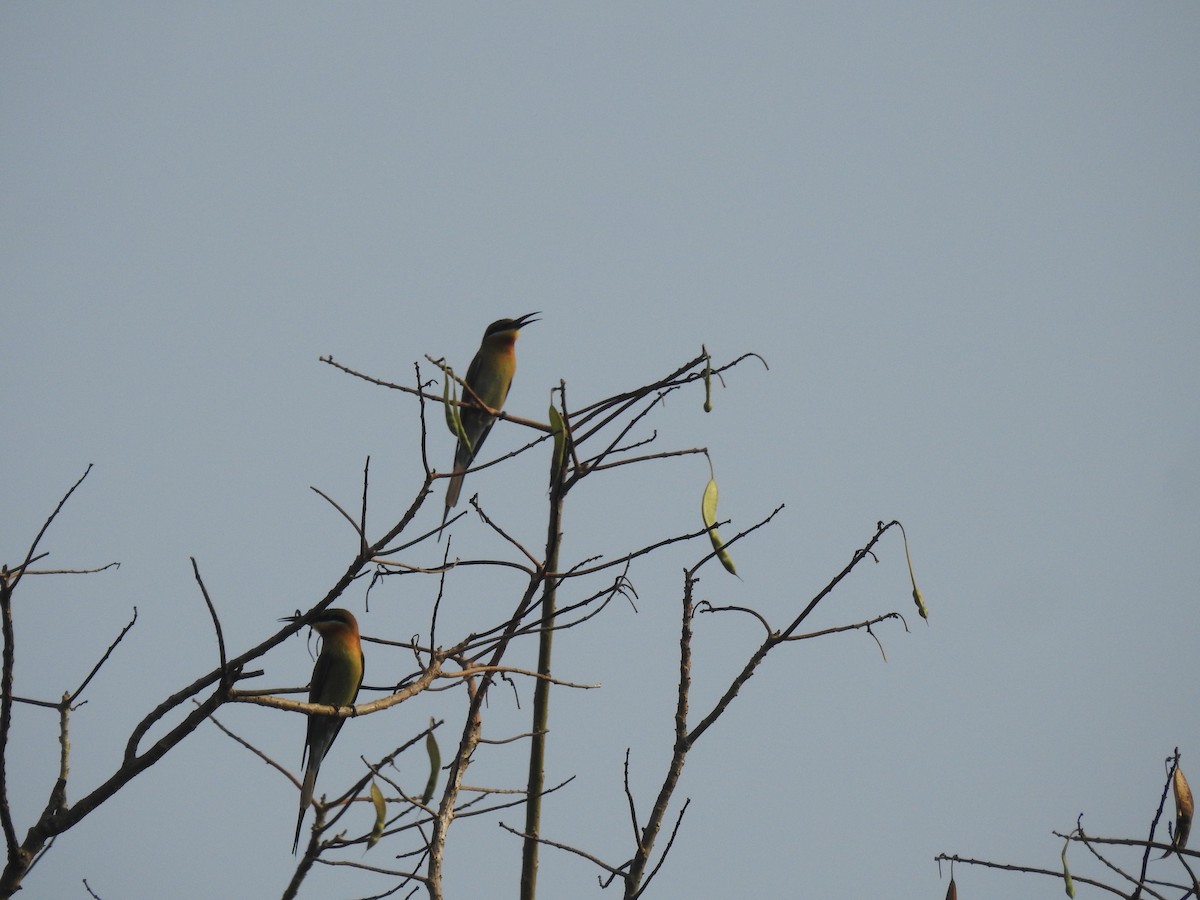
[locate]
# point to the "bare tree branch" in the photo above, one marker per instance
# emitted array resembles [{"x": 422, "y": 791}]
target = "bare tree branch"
[{"x": 103, "y": 659}]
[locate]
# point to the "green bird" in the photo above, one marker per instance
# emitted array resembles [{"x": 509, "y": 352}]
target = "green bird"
[
  {"x": 336, "y": 679},
  {"x": 489, "y": 376}
]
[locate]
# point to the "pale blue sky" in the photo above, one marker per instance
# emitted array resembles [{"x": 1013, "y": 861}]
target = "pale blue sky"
[{"x": 965, "y": 237}]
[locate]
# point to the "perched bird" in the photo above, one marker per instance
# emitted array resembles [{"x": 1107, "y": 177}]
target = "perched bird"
[
  {"x": 336, "y": 679},
  {"x": 489, "y": 376}
]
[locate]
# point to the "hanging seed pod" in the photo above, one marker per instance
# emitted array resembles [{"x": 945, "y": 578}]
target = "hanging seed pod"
[
  {"x": 917, "y": 598},
  {"x": 1068, "y": 884},
  {"x": 435, "y": 764},
  {"x": 708, "y": 505},
  {"x": 952, "y": 891},
  {"x": 708, "y": 510},
  {"x": 708, "y": 405}
]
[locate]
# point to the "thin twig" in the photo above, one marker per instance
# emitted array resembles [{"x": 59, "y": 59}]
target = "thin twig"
[
  {"x": 434, "y": 398},
  {"x": 29, "y": 556},
  {"x": 362, "y": 538},
  {"x": 705, "y": 607},
  {"x": 637, "y": 831},
  {"x": 362, "y": 519},
  {"x": 212, "y": 611},
  {"x": 559, "y": 846},
  {"x": 1162, "y": 802},
  {"x": 1031, "y": 870},
  {"x": 667, "y": 849},
  {"x": 94, "y": 571},
  {"x": 103, "y": 659},
  {"x": 260, "y": 754}
]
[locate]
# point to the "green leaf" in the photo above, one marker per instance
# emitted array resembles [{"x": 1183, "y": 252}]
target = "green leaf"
[
  {"x": 380, "y": 815},
  {"x": 453, "y": 414}
]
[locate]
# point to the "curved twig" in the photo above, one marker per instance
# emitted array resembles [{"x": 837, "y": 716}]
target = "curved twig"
[
  {"x": 705, "y": 606},
  {"x": 212, "y": 611}
]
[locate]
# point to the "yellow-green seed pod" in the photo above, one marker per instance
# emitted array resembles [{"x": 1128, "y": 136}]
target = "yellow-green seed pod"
[
  {"x": 708, "y": 511},
  {"x": 723, "y": 555},
  {"x": 435, "y": 765},
  {"x": 380, "y": 815},
  {"x": 920, "y": 601},
  {"x": 916, "y": 593},
  {"x": 1068, "y": 884},
  {"x": 1183, "y": 810},
  {"x": 708, "y": 504}
]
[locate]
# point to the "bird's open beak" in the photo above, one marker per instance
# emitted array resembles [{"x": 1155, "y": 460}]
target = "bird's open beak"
[{"x": 527, "y": 319}]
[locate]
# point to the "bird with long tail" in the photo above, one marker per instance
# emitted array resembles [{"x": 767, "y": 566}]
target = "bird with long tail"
[
  {"x": 488, "y": 379},
  {"x": 336, "y": 678}
]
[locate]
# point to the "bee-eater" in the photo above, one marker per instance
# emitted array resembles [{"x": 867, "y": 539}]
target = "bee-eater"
[
  {"x": 336, "y": 679},
  {"x": 489, "y": 376}
]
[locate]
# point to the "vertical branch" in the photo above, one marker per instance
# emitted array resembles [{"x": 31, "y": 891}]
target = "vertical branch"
[
  {"x": 470, "y": 738},
  {"x": 637, "y": 869},
  {"x": 6, "y": 701},
  {"x": 541, "y": 697},
  {"x": 58, "y": 796},
  {"x": 362, "y": 519},
  {"x": 8, "y": 584},
  {"x": 1162, "y": 802},
  {"x": 458, "y": 769}
]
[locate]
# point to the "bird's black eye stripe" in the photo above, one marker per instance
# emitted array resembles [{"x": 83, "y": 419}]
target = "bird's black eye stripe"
[{"x": 500, "y": 325}]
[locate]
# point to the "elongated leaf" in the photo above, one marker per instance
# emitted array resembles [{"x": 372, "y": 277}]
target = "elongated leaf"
[
  {"x": 449, "y": 395},
  {"x": 380, "y": 815},
  {"x": 435, "y": 765},
  {"x": 559, "y": 430},
  {"x": 1184, "y": 807},
  {"x": 453, "y": 413}
]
